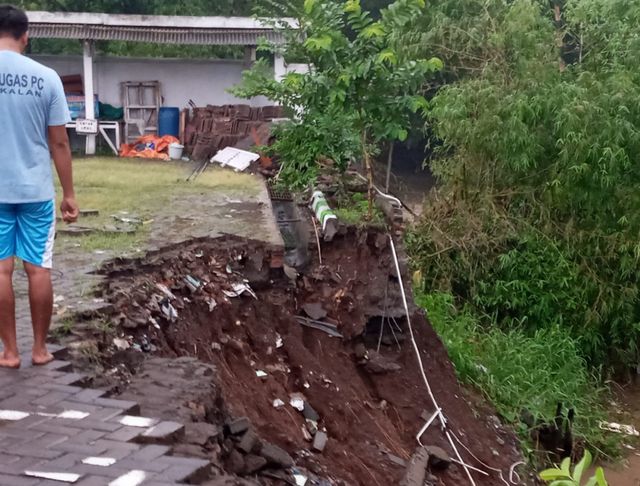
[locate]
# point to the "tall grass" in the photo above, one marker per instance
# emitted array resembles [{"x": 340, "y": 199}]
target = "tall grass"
[{"x": 517, "y": 371}]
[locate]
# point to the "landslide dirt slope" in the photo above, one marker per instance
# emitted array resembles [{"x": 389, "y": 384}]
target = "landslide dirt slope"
[{"x": 371, "y": 405}]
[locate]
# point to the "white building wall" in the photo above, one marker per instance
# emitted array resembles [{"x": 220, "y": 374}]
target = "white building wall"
[{"x": 203, "y": 81}]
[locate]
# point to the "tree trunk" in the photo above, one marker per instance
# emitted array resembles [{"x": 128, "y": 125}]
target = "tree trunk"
[
  {"x": 389, "y": 162},
  {"x": 369, "y": 168},
  {"x": 559, "y": 24}
]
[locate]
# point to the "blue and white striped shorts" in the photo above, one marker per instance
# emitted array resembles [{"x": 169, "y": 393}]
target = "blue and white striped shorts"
[{"x": 27, "y": 231}]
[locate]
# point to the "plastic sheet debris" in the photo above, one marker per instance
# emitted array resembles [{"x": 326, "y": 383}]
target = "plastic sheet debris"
[
  {"x": 300, "y": 479},
  {"x": 238, "y": 290},
  {"x": 279, "y": 341},
  {"x": 192, "y": 283},
  {"x": 169, "y": 312},
  {"x": 237, "y": 159},
  {"x": 297, "y": 401},
  {"x": 164, "y": 289},
  {"x": 619, "y": 428},
  {"x": 277, "y": 403},
  {"x": 261, "y": 374},
  {"x": 330, "y": 329},
  {"x": 121, "y": 344},
  {"x": 212, "y": 304},
  {"x": 154, "y": 323}
]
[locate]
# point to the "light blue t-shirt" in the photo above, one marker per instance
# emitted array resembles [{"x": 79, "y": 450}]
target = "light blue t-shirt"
[{"x": 31, "y": 100}]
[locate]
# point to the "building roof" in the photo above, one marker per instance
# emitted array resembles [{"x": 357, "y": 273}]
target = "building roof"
[{"x": 157, "y": 29}]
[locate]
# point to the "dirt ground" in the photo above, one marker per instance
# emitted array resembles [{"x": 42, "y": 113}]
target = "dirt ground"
[{"x": 370, "y": 404}]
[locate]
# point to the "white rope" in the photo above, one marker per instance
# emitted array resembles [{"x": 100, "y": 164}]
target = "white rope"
[
  {"x": 422, "y": 370},
  {"x": 438, "y": 413}
]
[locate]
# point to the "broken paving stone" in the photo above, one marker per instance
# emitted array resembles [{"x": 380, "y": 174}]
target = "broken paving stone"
[
  {"x": 276, "y": 456},
  {"x": 190, "y": 450},
  {"x": 201, "y": 433},
  {"x": 163, "y": 433},
  {"x": 320, "y": 441},
  {"x": 315, "y": 311},
  {"x": 238, "y": 426},
  {"x": 438, "y": 457},
  {"x": 379, "y": 364},
  {"x": 248, "y": 442},
  {"x": 253, "y": 464}
]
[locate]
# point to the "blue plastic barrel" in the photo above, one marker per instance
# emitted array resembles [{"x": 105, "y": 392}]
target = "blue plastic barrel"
[{"x": 169, "y": 121}]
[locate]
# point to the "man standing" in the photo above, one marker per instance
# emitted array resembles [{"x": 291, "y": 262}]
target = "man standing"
[{"x": 33, "y": 114}]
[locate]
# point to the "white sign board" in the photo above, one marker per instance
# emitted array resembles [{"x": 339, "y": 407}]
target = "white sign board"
[{"x": 86, "y": 127}]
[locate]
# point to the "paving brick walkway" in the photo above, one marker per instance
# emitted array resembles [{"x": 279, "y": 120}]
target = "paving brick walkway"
[{"x": 52, "y": 427}]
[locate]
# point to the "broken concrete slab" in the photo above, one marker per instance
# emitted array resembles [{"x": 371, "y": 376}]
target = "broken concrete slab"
[
  {"x": 438, "y": 457},
  {"x": 276, "y": 456},
  {"x": 417, "y": 470},
  {"x": 253, "y": 464},
  {"x": 200, "y": 433}
]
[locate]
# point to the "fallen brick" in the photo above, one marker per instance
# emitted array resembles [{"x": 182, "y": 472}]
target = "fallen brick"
[
  {"x": 320, "y": 441},
  {"x": 248, "y": 442},
  {"x": 238, "y": 426}
]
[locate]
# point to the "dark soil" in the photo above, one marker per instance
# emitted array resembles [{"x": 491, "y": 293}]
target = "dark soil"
[{"x": 371, "y": 405}]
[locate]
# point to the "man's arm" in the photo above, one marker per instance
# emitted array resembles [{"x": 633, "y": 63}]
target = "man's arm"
[{"x": 61, "y": 153}]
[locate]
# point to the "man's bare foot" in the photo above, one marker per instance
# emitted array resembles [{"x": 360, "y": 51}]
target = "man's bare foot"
[
  {"x": 41, "y": 358},
  {"x": 9, "y": 361}
]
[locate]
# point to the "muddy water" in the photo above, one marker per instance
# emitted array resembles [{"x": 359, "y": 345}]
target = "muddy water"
[{"x": 627, "y": 472}]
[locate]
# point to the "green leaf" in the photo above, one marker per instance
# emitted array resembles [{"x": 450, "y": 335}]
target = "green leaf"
[
  {"x": 321, "y": 43},
  {"x": 353, "y": 6},
  {"x": 601, "y": 481},
  {"x": 553, "y": 474},
  {"x": 435, "y": 64},
  {"x": 565, "y": 466},
  {"x": 419, "y": 103},
  {"x": 374, "y": 30},
  {"x": 309, "y": 6},
  {"x": 387, "y": 56},
  {"x": 584, "y": 463},
  {"x": 402, "y": 134}
]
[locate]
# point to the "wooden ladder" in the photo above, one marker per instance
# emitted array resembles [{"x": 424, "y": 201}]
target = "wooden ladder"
[{"x": 141, "y": 101}]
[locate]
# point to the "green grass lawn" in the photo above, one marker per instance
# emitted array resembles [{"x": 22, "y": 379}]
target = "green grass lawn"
[{"x": 141, "y": 188}]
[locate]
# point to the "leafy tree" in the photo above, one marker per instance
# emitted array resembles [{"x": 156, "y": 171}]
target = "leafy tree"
[
  {"x": 361, "y": 82},
  {"x": 539, "y": 216}
]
